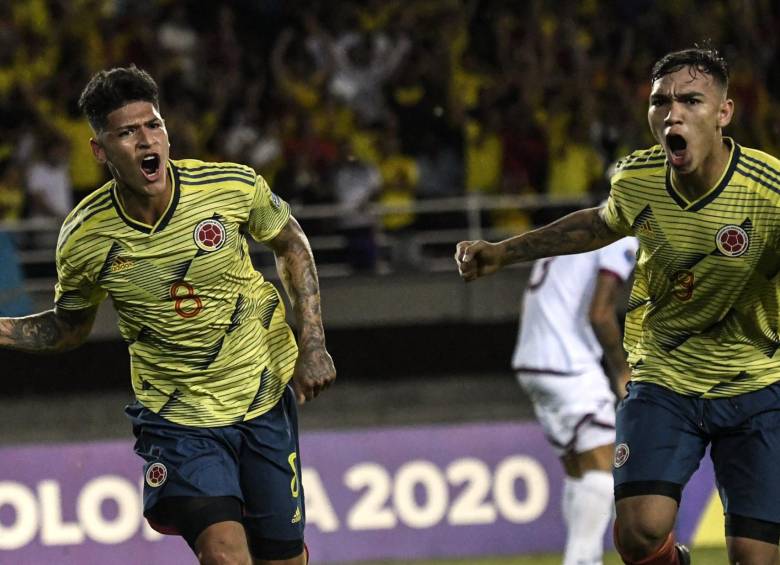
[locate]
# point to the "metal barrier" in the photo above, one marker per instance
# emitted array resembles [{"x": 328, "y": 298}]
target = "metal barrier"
[{"x": 429, "y": 241}]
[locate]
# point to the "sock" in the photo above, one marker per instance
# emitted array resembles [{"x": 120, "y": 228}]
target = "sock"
[
  {"x": 666, "y": 554},
  {"x": 569, "y": 485},
  {"x": 589, "y": 514}
]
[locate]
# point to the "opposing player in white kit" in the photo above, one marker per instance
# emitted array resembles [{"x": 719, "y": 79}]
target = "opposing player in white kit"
[{"x": 568, "y": 324}]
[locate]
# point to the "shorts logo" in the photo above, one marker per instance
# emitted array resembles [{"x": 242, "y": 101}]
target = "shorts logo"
[
  {"x": 621, "y": 454},
  {"x": 156, "y": 475},
  {"x": 732, "y": 241},
  {"x": 209, "y": 235},
  {"x": 297, "y": 516}
]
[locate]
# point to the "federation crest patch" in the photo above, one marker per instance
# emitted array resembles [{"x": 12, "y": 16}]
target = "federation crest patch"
[
  {"x": 621, "y": 454},
  {"x": 732, "y": 241},
  {"x": 209, "y": 235},
  {"x": 156, "y": 474}
]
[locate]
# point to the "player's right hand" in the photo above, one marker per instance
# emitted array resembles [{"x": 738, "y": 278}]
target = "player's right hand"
[
  {"x": 478, "y": 258},
  {"x": 314, "y": 372}
]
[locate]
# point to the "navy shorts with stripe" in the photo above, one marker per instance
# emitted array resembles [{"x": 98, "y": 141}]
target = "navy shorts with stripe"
[
  {"x": 255, "y": 461},
  {"x": 662, "y": 436}
]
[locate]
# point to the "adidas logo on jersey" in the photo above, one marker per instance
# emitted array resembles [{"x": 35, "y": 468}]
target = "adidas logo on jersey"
[
  {"x": 646, "y": 227},
  {"x": 297, "y": 516},
  {"x": 121, "y": 264}
]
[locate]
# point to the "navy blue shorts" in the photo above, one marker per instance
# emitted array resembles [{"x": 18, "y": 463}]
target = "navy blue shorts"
[
  {"x": 256, "y": 462},
  {"x": 662, "y": 436}
]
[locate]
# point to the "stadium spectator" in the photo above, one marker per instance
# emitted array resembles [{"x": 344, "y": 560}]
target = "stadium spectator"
[
  {"x": 356, "y": 185},
  {"x": 14, "y": 300},
  {"x": 48, "y": 180},
  {"x": 400, "y": 175}
]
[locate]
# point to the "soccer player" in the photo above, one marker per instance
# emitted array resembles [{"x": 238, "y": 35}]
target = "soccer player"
[
  {"x": 215, "y": 368},
  {"x": 702, "y": 327},
  {"x": 569, "y": 322}
]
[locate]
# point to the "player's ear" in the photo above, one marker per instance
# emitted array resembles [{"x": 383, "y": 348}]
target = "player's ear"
[
  {"x": 725, "y": 112},
  {"x": 98, "y": 151}
]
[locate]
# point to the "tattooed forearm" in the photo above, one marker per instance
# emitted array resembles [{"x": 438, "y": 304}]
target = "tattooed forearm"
[
  {"x": 47, "y": 332},
  {"x": 584, "y": 230},
  {"x": 295, "y": 263}
]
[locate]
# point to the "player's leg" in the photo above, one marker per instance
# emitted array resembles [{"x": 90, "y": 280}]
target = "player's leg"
[
  {"x": 578, "y": 416},
  {"x": 747, "y": 551},
  {"x": 643, "y": 529},
  {"x": 589, "y": 510},
  {"x": 658, "y": 447},
  {"x": 191, "y": 485},
  {"x": 270, "y": 470},
  {"x": 746, "y": 455},
  {"x": 211, "y": 526}
]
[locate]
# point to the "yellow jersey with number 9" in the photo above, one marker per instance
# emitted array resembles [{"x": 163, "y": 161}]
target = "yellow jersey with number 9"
[
  {"x": 703, "y": 313},
  {"x": 207, "y": 336}
]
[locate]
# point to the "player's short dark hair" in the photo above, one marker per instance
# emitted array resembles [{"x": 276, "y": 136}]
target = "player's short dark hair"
[
  {"x": 700, "y": 59},
  {"x": 109, "y": 90}
]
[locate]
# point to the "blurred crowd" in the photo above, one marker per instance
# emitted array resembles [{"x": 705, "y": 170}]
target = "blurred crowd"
[{"x": 373, "y": 101}]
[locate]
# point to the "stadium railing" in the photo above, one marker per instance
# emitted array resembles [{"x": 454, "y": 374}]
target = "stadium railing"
[{"x": 427, "y": 244}]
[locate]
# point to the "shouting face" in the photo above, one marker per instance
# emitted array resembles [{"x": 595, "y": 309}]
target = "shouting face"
[
  {"x": 134, "y": 145},
  {"x": 688, "y": 111}
]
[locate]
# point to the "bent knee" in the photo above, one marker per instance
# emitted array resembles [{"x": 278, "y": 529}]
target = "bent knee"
[
  {"x": 223, "y": 551},
  {"x": 638, "y": 538},
  {"x": 224, "y": 556}
]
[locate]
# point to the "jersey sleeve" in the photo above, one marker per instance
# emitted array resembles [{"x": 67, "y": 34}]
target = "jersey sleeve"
[
  {"x": 614, "y": 215},
  {"x": 619, "y": 258},
  {"x": 73, "y": 289},
  {"x": 269, "y": 213}
]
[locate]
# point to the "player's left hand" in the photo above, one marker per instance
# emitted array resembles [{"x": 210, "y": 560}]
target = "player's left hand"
[{"x": 314, "y": 372}]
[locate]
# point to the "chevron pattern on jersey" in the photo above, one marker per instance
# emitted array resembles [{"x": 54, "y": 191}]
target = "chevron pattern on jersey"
[
  {"x": 703, "y": 313},
  {"x": 200, "y": 322}
]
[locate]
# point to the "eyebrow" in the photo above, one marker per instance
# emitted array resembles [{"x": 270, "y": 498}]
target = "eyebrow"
[
  {"x": 136, "y": 124},
  {"x": 680, "y": 96}
]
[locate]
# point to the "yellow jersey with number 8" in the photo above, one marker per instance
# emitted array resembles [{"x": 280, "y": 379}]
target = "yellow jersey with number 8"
[{"x": 207, "y": 336}]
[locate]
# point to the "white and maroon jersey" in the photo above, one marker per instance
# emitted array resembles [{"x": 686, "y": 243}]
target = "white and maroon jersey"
[{"x": 555, "y": 334}]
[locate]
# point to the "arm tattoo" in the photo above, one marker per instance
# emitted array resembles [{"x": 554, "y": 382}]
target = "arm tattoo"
[
  {"x": 48, "y": 332},
  {"x": 295, "y": 263},
  {"x": 584, "y": 230}
]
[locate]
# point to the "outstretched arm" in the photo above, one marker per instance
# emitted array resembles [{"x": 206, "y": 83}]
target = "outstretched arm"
[
  {"x": 584, "y": 230},
  {"x": 314, "y": 370},
  {"x": 52, "y": 331}
]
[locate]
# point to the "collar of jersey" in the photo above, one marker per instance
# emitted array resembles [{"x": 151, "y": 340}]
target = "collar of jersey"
[
  {"x": 711, "y": 194},
  {"x": 164, "y": 219}
]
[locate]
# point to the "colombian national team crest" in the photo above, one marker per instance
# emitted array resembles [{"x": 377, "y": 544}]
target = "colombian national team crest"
[
  {"x": 621, "y": 454},
  {"x": 732, "y": 241},
  {"x": 210, "y": 235},
  {"x": 156, "y": 474}
]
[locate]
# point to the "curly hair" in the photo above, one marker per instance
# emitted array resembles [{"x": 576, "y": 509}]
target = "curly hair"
[
  {"x": 111, "y": 89},
  {"x": 703, "y": 59}
]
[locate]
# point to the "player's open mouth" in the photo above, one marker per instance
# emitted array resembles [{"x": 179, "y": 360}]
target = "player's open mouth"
[
  {"x": 150, "y": 167},
  {"x": 677, "y": 149}
]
